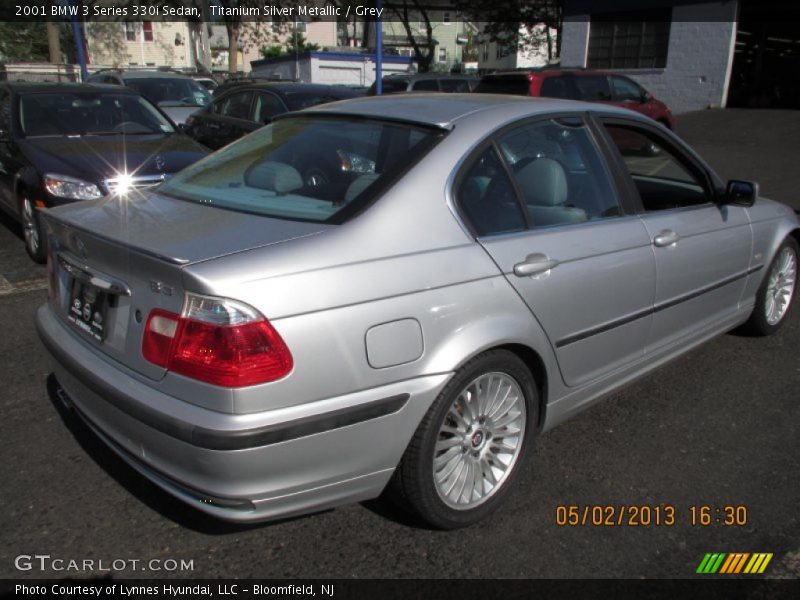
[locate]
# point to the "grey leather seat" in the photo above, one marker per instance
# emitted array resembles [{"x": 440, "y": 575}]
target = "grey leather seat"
[
  {"x": 543, "y": 183},
  {"x": 274, "y": 176}
]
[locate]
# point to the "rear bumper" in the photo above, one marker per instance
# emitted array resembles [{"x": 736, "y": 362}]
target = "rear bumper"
[{"x": 241, "y": 467}]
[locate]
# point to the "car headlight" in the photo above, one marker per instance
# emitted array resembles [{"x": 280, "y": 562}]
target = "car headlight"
[{"x": 64, "y": 186}]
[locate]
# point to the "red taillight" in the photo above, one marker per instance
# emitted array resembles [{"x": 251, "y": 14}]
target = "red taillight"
[{"x": 218, "y": 341}]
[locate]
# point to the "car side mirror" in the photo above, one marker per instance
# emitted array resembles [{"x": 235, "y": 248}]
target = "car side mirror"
[
  {"x": 183, "y": 128},
  {"x": 5, "y": 137},
  {"x": 646, "y": 97},
  {"x": 741, "y": 193}
]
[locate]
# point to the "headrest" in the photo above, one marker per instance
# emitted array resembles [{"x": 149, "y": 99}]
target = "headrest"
[
  {"x": 274, "y": 176},
  {"x": 543, "y": 182}
]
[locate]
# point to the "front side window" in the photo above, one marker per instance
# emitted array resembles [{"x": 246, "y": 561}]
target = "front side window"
[
  {"x": 664, "y": 178},
  {"x": 305, "y": 168},
  {"x": 236, "y": 106},
  {"x": 267, "y": 106},
  {"x": 626, "y": 90}
]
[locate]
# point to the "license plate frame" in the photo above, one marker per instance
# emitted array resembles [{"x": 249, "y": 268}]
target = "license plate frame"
[{"x": 88, "y": 309}]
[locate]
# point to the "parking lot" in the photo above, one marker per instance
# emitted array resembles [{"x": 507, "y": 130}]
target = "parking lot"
[{"x": 717, "y": 427}]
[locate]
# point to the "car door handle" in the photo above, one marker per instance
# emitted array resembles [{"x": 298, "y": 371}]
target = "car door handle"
[
  {"x": 213, "y": 126},
  {"x": 534, "y": 264},
  {"x": 666, "y": 238}
]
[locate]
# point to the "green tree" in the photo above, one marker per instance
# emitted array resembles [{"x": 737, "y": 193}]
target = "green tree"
[
  {"x": 24, "y": 41},
  {"x": 512, "y": 23},
  {"x": 296, "y": 43}
]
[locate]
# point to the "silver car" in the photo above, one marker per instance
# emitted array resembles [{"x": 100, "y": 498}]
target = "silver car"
[{"x": 397, "y": 293}]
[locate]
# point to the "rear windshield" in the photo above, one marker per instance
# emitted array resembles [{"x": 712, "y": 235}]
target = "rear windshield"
[
  {"x": 308, "y": 168},
  {"x": 517, "y": 85}
]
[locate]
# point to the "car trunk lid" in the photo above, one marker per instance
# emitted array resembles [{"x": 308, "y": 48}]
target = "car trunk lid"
[{"x": 113, "y": 262}]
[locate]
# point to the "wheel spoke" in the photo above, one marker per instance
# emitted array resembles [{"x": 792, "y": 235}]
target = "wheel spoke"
[{"x": 479, "y": 440}]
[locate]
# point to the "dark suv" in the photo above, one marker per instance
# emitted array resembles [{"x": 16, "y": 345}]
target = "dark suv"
[
  {"x": 174, "y": 93},
  {"x": 247, "y": 106},
  {"x": 579, "y": 84}
]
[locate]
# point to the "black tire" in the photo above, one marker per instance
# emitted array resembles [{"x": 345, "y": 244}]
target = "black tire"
[
  {"x": 35, "y": 243},
  {"x": 413, "y": 486},
  {"x": 758, "y": 324}
]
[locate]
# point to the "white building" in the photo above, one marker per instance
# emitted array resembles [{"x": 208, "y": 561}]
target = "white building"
[{"x": 335, "y": 68}]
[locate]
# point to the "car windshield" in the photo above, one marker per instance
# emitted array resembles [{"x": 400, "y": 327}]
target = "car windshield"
[
  {"x": 311, "y": 168},
  {"x": 89, "y": 113},
  {"x": 171, "y": 91}
]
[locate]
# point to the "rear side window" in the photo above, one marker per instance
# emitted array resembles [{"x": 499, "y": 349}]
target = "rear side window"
[
  {"x": 426, "y": 85},
  {"x": 307, "y": 168},
  {"x": 487, "y": 197},
  {"x": 558, "y": 87},
  {"x": 547, "y": 173},
  {"x": 593, "y": 88},
  {"x": 559, "y": 173},
  {"x": 457, "y": 86},
  {"x": 392, "y": 86},
  {"x": 504, "y": 84}
]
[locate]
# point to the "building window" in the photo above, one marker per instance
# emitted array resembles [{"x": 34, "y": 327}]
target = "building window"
[
  {"x": 499, "y": 51},
  {"x": 301, "y": 26},
  {"x": 147, "y": 28},
  {"x": 485, "y": 53},
  {"x": 446, "y": 18},
  {"x": 130, "y": 31},
  {"x": 635, "y": 40},
  {"x": 442, "y": 55}
]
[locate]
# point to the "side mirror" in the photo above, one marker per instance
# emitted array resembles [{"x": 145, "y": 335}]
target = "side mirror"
[
  {"x": 646, "y": 97},
  {"x": 183, "y": 128},
  {"x": 4, "y": 136},
  {"x": 741, "y": 193}
]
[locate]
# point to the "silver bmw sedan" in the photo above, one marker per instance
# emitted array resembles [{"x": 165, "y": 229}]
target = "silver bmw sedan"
[{"x": 397, "y": 293}]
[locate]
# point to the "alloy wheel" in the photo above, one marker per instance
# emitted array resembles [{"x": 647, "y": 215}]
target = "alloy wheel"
[
  {"x": 780, "y": 286},
  {"x": 479, "y": 440}
]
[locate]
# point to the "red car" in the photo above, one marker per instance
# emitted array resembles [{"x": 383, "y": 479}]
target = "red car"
[{"x": 579, "y": 84}]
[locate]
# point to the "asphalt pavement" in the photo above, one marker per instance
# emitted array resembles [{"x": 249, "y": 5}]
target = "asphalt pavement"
[{"x": 717, "y": 427}]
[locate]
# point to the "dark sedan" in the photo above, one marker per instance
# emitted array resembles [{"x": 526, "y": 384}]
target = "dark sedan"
[
  {"x": 247, "y": 107},
  {"x": 61, "y": 143}
]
